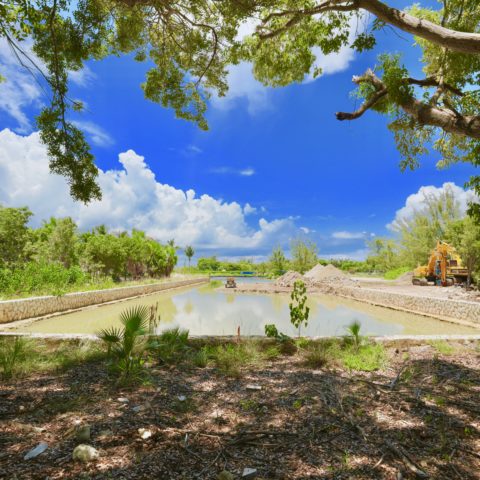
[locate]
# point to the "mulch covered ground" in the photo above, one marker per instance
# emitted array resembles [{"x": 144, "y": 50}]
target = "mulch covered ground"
[{"x": 420, "y": 418}]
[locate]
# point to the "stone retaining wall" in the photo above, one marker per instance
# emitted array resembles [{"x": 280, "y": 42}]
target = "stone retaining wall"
[
  {"x": 12, "y": 310},
  {"x": 458, "y": 311}
]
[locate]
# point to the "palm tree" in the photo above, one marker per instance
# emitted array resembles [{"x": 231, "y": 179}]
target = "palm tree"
[
  {"x": 354, "y": 332},
  {"x": 123, "y": 343},
  {"x": 189, "y": 252}
]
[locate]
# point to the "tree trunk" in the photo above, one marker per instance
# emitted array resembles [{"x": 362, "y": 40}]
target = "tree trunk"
[{"x": 453, "y": 40}]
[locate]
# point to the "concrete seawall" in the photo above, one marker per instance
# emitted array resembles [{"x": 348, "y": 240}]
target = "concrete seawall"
[
  {"x": 12, "y": 310},
  {"x": 456, "y": 311}
]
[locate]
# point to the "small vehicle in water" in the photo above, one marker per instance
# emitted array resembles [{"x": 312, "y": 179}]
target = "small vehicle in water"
[{"x": 230, "y": 283}]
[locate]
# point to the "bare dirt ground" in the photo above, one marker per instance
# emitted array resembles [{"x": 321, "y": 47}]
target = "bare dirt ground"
[
  {"x": 454, "y": 292},
  {"x": 417, "y": 418}
]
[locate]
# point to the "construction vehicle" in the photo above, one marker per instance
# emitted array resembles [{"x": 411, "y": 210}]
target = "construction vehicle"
[{"x": 444, "y": 268}]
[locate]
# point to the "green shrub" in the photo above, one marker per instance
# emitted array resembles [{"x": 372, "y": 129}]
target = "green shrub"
[
  {"x": 271, "y": 331},
  {"x": 171, "y": 346},
  {"x": 395, "y": 273},
  {"x": 40, "y": 278}
]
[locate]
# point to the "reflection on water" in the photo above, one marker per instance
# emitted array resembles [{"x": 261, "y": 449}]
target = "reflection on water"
[{"x": 205, "y": 311}]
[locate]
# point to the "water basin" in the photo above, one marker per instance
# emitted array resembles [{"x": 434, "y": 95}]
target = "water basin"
[{"x": 207, "y": 311}]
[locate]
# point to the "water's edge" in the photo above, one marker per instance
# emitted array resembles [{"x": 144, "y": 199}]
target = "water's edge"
[{"x": 14, "y": 313}]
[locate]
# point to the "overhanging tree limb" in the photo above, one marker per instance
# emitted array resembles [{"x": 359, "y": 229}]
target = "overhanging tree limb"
[
  {"x": 456, "y": 41},
  {"x": 448, "y": 119}
]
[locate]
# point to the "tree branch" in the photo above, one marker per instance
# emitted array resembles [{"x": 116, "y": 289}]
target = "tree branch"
[
  {"x": 365, "y": 106},
  {"x": 457, "y": 41},
  {"x": 448, "y": 119},
  {"x": 432, "y": 82}
]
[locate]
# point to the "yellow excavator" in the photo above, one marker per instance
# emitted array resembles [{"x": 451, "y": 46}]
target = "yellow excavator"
[{"x": 444, "y": 268}]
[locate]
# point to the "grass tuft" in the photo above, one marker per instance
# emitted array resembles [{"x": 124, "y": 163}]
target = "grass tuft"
[
  {"x": 171, "y": 346},
  {"x": 366, "y": 358},
  {"x": 443, "y": 347}
]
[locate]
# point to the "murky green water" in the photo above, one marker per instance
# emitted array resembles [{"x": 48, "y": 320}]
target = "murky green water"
[{"x": 204, "y": 311}]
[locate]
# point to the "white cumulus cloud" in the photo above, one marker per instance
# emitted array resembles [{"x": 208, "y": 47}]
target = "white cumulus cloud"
[
  {"x": 133, "y": 198},
  {"x": 416, "y": 202},
  {"x": 344, "y": 235},
  {"x": 20, "y": 89}
]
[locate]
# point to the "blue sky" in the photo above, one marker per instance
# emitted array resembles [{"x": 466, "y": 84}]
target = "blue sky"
[{"x": 281, "y": 151}]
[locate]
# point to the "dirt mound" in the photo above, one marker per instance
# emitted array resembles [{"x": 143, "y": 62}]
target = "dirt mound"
[
  {"x": 311, "y": 274},
  {"x": 329, "y": 275},
  {"x": 289, "y": 278},
  {"x": 405, "y": 278}
]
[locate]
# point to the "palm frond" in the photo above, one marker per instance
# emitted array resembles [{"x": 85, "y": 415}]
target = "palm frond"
[
  {"x": 135, "y": 320},
  {"x": 111, "y": 335}
]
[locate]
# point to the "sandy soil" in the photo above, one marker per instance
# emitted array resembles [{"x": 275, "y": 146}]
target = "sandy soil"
[
  {"x": 418, "y": 418},
  {"x": 454, "y": 293}
]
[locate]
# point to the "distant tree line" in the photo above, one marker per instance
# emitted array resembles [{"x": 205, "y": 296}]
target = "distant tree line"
[{"x": 57, "y": 254}]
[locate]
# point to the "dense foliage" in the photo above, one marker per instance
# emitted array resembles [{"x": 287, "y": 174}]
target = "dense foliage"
[
  {"x": 57, "y": 257},
  {"x": 213, "y": 265},
  {"x": 439, "y": 219},
  {"x": 189, "y": 46}
]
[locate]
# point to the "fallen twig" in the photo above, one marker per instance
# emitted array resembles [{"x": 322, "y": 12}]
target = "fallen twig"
[{"x": 406, "y": 460}]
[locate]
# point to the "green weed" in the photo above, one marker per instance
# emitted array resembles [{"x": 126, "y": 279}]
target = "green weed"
[
  {"x": 230, "y": 359},
  {"x": 441, "y": 346},
  {"x": 317, "y": 356},
  {"x": 366, "y": 358},
  {"x": 12, "y": 353},
  {"x": 200, "y": 358},
  {"x": 171, "y": 346}
]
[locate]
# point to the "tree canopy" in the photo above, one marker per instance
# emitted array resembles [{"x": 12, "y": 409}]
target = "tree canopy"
[
  {"x": 190, "y": 45},
  {"x": 58, "y": 255}
]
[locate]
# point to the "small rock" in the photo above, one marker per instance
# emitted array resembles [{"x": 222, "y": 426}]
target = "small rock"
[
  {"x": 182, "y": 398},
  {"x": 249, "y": 472},
  {"x": 253, "y": 387},
  {"x": 123, "y": 400},
  {"x": 85, "y": 453},
  {"x": 144, "y": 433},
  {"x": 105, "y": 433},
  {"x": 225, "y": 475},
  {"x": 138, "y": 408},
  {"x": 35, "y": 452},
  {"x": 82, "y": 433}
]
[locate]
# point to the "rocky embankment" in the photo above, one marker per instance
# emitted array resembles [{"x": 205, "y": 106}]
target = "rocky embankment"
[{"x": 456, "y": 305}]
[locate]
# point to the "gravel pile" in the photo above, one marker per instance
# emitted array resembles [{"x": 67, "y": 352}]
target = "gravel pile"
[
  {"x": 289, "y": 278},
  {"x": 311, "y": 274},
  {"x": 328, "y": 275}
]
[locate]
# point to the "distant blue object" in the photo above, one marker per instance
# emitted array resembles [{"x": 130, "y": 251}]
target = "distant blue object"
[{"x": 248, "y": 273}]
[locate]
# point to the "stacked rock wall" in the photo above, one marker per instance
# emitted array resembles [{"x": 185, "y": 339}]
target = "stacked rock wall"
[
  {"x": 447, "y": 309},
  {"x": 12, "y": 310}
]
